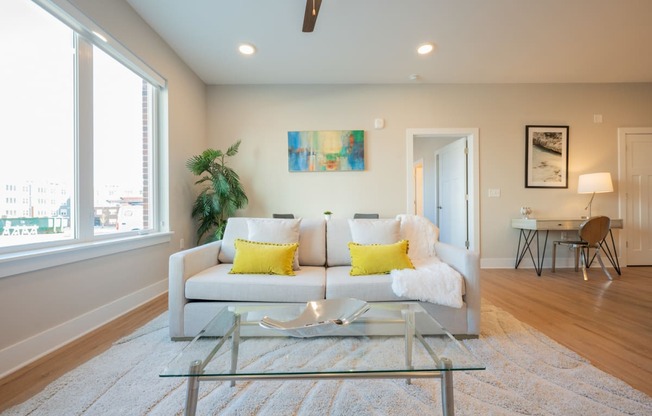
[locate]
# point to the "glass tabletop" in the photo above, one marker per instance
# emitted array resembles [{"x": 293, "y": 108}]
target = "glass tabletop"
[{"x": 387, "y": 337}]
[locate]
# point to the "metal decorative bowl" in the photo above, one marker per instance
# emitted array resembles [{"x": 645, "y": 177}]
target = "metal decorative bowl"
[{"x": 319, "y": 318}]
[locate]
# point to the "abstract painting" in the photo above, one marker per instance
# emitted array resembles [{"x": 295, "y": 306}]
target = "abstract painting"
[
  {"x": 546, "y": 156},
  {"x": 325, "y": 151}
]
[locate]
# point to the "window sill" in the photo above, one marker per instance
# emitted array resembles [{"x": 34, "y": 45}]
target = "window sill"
[{"x": 29, "y": 261}]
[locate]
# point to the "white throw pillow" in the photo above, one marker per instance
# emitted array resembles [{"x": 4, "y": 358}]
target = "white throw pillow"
[
  {"x": 371, "y": 231},
  {"x": 275, "y": 230}
]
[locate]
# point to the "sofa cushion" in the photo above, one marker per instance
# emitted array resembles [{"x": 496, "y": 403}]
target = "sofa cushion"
[
  {"x": 371, "y": 288},
  {"x": 371, "y": 231},
  {"x": 379, "y": 258},
  {"x": 252, "y": 257},
  {"x": 312, "y": 237},
  {"x": 312, "y": 234},
  {"x": 215, "y": 283},
  {"x": 235, "y": 228},
  {"x": 274, "y": 230},
  {"x": 338, "y": 235}
]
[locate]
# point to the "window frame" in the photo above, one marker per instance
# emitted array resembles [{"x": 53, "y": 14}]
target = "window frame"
[{"x": 85, "y": 244}]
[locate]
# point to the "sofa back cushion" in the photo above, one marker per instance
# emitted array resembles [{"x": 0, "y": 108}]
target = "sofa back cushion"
[
  {"x": 338, "y": 236},
  {"x": 312, "y": 242},
  {"x": 273, "y": 230},
  {"x": 312, "y": 235},
  {"x": 375, "y": 231},
  {"x": 419, "y": 231}
]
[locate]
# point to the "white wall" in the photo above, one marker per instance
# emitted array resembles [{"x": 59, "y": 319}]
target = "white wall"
[
  {"x": 262, "y": 115},
  {"x": 41, "y": 310}
]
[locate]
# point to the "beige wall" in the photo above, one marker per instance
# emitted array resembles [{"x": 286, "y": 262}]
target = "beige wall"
[
  {"x": 42, "y": 309},
  {"x": 262, "y": 115}
]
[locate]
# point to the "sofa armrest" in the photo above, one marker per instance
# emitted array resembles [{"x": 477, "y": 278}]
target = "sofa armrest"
[
  {"x": 468, "y": 264},
  {"x": 183, "y": 265}
]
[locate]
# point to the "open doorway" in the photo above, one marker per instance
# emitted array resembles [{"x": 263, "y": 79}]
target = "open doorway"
[{"x": 467, "y": 233}]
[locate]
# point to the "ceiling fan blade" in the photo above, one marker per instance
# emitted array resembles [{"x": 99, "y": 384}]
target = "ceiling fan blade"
[{"x": 309, "y": 19}]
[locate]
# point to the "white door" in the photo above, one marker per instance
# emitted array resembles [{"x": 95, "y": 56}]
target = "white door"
[
  {"x": 452, "y": 206},
  {"x": 639, "y": 193},
  {"x": 418, "y": 187}
]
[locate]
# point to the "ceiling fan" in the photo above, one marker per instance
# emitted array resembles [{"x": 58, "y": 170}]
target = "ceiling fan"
[{"x": 310, "y": 17}]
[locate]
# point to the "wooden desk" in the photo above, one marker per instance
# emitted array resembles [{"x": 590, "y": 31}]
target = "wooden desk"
[{"x": 529, "y": 232}]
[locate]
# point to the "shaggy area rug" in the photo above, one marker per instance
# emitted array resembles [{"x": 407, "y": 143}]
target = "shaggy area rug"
[{"x": 527, "y": 374}]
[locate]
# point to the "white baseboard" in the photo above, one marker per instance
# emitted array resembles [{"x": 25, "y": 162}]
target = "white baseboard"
[
  {"x": 507, "y": 263},
  {"x": 24, "y": 352}
]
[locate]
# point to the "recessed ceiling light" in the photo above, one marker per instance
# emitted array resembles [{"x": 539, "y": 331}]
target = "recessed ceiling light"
[
  {"x": 247, "y": 49},
  {"x": 425, "y": 48}
]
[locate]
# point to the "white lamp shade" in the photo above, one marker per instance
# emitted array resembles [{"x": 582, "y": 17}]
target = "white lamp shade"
[{"x": 595, "y": 182}]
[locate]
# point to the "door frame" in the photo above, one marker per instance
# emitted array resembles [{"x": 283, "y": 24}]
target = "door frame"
[
  {"x": 418, "y": 164},
  {"x": 473, "y": 137},
  {"x": 622, "y": 188}
]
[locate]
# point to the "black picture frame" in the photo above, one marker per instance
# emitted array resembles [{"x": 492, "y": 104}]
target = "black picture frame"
[{"x": 546, "y": 156}]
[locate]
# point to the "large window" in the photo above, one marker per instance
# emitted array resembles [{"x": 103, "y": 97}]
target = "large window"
[
  {"x": 78, "y": 133},
  {"x": 122, "y": 126}
]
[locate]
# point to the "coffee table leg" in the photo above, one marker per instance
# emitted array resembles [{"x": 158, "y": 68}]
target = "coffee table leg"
[
  {"x": 193, "y": 389},
  {"x": 447, "y": 401},
  {"x": 409, "y": 340},
  {"x": 235, "y": 345}
]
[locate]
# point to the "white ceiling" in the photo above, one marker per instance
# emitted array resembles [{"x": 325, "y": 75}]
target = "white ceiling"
[{"x": 374, "y": 41}]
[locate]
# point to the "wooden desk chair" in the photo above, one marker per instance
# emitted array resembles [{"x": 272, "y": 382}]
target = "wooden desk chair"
[{"x": 591, "y": 232}]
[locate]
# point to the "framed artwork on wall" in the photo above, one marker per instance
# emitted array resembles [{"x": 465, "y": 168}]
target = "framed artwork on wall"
[
  {"x": 546, "y": 156},
  {"x": 325, "y": 151}
]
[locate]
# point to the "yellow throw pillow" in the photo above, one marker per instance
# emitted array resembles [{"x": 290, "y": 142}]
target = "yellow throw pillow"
[
  {"x": 379, "y": 258},
  {"x": 253, "y": 257}
]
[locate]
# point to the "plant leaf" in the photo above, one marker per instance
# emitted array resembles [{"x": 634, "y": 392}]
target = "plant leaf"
[{"x": 233, "y": 149}]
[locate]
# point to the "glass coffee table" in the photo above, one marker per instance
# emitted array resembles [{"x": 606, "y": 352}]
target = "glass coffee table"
[{"x": 414, "y": 345}]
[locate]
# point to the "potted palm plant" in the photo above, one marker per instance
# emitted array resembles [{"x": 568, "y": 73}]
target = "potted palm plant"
[{"x": 222, "y": 194}]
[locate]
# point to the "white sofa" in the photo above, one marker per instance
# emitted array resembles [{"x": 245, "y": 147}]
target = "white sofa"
[{"x": 200, "y": 285}]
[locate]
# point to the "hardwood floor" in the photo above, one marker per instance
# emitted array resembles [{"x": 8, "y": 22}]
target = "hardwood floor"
[
  {"x": 609, "y": 323},
  {"x": 26, "y": 382}
]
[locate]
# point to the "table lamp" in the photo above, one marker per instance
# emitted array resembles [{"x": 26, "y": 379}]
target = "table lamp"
[{"x": 595, "y": 183}]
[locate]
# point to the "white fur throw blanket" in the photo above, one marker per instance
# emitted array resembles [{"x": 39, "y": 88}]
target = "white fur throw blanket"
[
  {"x": 432, "y": 281},
  {"x": 421, "y": 233}
]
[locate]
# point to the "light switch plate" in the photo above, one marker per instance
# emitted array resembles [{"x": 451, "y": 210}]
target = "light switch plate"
[{"x": 494, "y": 193}]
